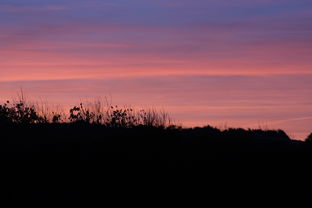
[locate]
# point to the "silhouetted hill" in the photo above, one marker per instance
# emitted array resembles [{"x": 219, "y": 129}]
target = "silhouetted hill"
[
  {"x": 70, "y": 161},
  {"x": 119, "y": 155}
]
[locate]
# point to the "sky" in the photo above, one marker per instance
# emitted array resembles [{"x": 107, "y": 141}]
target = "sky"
[{"x": 235, "y": 63}]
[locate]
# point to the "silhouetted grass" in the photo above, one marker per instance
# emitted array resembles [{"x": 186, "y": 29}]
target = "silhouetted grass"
[{"x": 22, "y": 112}]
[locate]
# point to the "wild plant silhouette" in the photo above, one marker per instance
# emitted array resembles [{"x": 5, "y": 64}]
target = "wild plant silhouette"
[
  {"x": 309, "y": 138},
  {"x": 20, "y": 113},
  {"x": 113, "y": 116}
]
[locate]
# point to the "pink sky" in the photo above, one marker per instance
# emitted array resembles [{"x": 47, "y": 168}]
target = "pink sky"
[{"x": 238, "y": 63}]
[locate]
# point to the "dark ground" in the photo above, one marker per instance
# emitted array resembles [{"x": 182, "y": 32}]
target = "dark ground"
[{"x": 152, "y": 166}]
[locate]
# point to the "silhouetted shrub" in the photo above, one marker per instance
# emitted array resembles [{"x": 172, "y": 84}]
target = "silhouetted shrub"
[
  {"x": 56, "y": 118},
  {"x": 119, "y": 117},
  {"x": 309, "y": 138},
  {"x": 114, "y": 116},
  {"x": 20, "y": 113},
  {"x": 84, "y": 115},
  {"x": 5, "y": 113}
]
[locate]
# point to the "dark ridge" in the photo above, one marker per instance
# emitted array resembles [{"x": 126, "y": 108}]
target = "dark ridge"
[{"x": 146, "y": 162}]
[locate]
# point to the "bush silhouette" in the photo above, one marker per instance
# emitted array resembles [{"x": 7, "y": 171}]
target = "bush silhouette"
[
  {"x": 309, "y": 138},
  {"x": 56, "y": 118},
  {"x": 20, "y": 113},
  {"x": 115, "y": 116},
  {"x": 118, "y": 117}
]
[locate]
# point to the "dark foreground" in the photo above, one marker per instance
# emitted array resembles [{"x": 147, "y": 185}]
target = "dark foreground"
[{"x": 152, "y": 166}]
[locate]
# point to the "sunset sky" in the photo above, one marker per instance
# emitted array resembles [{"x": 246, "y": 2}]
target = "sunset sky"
[{"x": 240, "y": 63}]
